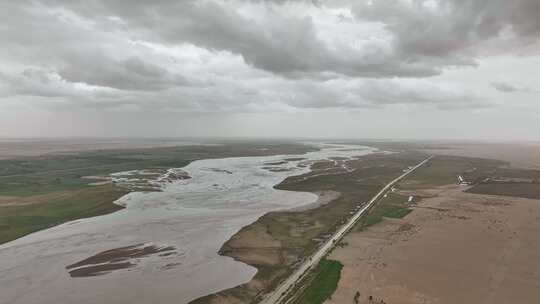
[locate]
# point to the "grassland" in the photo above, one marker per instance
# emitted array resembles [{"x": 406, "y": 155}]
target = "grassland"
[
  {"x": 20, "y": 219},
  {"x": 325, "y": 279},
  {"x": 516, "y": 174},
  {"x": 443, "y": 170},
  {"x": 491, "y": 177},
  {"x": 525, "y": 190},
  {"x": 510, "y": 182},
  {"x": 40, "y": 192},
  {"x": 487, "y": 176},
  {"x": 392, "y": 206}
]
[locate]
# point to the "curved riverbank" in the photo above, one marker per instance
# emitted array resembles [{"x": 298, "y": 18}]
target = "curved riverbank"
[
  {"x": 194, "y": 216},
  {"x": 279, "y": 241}
]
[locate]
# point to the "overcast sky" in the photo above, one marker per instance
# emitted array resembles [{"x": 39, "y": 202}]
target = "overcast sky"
[{"x": 433, "y": 69}]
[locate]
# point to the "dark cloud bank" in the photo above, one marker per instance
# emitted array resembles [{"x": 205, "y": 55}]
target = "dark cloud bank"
[{"x": 251, "y": 56}]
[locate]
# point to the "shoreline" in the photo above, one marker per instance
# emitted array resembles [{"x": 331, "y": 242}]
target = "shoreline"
[
  {"x": 59, "y": 188},
  {"x": 196, "y": 217},
  {"x": 280, "y": 240}
]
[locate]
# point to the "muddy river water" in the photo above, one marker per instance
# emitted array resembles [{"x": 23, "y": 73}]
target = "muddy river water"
[{"x": 162, "y": 248}]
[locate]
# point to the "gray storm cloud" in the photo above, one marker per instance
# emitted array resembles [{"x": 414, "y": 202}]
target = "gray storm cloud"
[
  {"x": 215, "y": 56},
  {"x": 507, "y": 87}
]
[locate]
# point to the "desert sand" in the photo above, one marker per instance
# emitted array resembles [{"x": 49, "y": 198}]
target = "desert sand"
[{"x": 455, "y": 247}]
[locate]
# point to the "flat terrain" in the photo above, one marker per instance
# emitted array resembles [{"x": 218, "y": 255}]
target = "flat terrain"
[
  {"x": 476, "y": 239},
  {"x": 458, "y": 245},
  {"x": 23, "y": 215},
  {"x": 38, "y": 192},
  {"x": 278, "y": 241},
  {"x": 455, "y": 247},
  {"x": 524, "y": 155},
  {"x": 325, "y": 279},
  {"x": 526, "y": 190},
  {"x": 14, "y": 148},
  {"x": 519, "y": 155},
  {"x": 113, "y": 259}
]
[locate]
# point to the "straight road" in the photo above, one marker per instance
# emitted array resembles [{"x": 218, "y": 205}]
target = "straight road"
[{"x": 281, "y": 292}]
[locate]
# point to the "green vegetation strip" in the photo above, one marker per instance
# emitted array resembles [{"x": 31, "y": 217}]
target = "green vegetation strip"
[
  {"x": 324, "y": 284},
  {"x": 19, "y": 220},
  {"x": 392, "y": 206}
]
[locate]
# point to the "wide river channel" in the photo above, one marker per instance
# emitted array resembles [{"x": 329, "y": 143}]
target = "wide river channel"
[{"x": 193, "y": 216}]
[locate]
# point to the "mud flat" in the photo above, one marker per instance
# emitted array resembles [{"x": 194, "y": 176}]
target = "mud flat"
[
  {"x": 194, "y": 216},
  {"x": 113, "y": 259},
  {"x": 455, "y": 247}
]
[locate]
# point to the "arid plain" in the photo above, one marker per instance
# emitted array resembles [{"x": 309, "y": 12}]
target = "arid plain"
[{"x": 455, "y": 247}]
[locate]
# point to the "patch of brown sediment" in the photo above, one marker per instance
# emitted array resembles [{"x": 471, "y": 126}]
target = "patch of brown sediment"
[
  {"x": 114, "y": 259},
  {"x": 255, "y": 246},
  {"x": 96, "y": 270},
  {"x": 454, "y": 247},
  {"x": 220, "y": 170},
  {"x": 276, "y": 163},
  {"x": 277, "y": 169},
  {"x": 324, "y": 197}
]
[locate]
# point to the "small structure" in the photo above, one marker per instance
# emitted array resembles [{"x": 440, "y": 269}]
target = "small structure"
[
  {"x": 462, "y": 181},
  {"x": 411, "y": 199}
]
